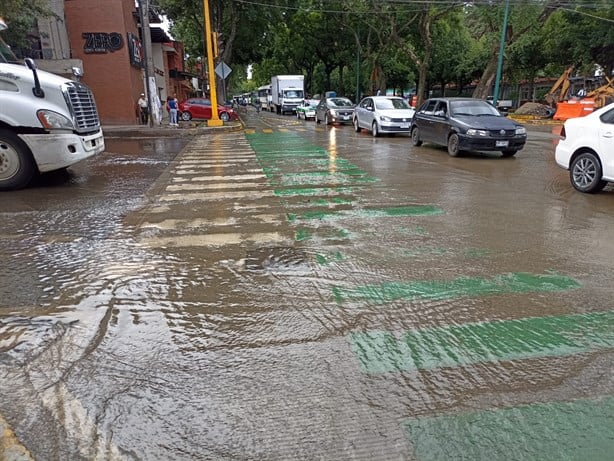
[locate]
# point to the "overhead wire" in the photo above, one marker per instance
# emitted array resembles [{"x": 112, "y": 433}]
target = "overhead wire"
[{"x": 564, "y": 5}]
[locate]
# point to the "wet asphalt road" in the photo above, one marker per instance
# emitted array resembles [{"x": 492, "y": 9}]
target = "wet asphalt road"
[{"x": 296, "y": 291}]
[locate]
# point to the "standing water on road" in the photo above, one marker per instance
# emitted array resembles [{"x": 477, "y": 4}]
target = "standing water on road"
[{"x": 306, "y": 292}]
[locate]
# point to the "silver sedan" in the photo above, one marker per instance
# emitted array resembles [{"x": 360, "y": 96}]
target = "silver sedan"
[{"x": 383, "y": 114}]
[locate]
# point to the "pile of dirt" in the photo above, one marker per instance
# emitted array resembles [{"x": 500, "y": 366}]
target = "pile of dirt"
[{"x": 536, "y": 109}]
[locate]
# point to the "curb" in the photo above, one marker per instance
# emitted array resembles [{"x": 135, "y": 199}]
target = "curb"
[{"x": 165, "y": 131}]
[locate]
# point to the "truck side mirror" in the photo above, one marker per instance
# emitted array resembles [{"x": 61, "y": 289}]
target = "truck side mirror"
[{"x": 36, "y": 90}]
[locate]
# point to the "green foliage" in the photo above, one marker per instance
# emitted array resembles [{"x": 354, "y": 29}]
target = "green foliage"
[{"x": 21, "y": 17}]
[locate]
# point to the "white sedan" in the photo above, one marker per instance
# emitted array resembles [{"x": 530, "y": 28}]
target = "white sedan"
[
  {"x": 383, "y": 114},
  {"x": 586, "y": 149}
]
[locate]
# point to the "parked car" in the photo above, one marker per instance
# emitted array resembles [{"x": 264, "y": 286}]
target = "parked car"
[
  {"x": 334, "y": 110},
  {"x": 200, "y": 108},
  {"x": 383, "y": 114},
  {"x": 307, "y": 110},
  {"x": 466, "y": 124},
  {"x": 586, "y": 149}
]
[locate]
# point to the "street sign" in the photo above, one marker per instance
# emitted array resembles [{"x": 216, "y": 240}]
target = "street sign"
[{"x": 222, "y": 70}]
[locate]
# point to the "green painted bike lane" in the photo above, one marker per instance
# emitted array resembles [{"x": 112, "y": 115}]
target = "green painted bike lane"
[
  {"x": 295, "y": 168},
  {"x": 543, "y": 429},
  {"x": 580, "y": 430}
]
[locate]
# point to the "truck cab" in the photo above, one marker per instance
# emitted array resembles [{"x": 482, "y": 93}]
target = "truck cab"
[
  {"x": 47, "y": 122},
  {"x": 287, "y": 92}
]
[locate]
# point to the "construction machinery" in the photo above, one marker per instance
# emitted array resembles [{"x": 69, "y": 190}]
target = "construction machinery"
[
  {"x": 558, "y": 92},
  {"x": 584, "y": 102},
  {"x": 604, "y": 94}
]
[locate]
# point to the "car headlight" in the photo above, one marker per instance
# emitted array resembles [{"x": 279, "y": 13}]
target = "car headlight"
[
  {"x": 385, "y": 118},
  {"x": 474, "y": 132},
  {"x": 521, "y": 130},
  {"x": 52, "y": 120},
  {"x": 333, "y": 112}
]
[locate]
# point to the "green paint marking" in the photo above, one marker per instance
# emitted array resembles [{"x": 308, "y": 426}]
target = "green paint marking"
[
  {"x": 314, "y": 191},
  {"x": 581, "y": 430},
  {"x": 297, "y": 179},
  {"x": 515, "y": 282},
  {"x": 302, "y": 234},
  {"x": 325, "y": 260},
  {"x": 460, "y": 345},
  {"x": 322, "y": 202},
  {"x": 417, "y": 210}
]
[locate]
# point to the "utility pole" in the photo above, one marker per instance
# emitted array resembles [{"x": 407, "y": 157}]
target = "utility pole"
[
  {"x": 495, "y": 95},
  {"x": 147, "y": 54},
  {"x": 215, "y": 117}
]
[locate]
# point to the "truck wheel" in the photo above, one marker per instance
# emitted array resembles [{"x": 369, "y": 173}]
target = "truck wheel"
[{"x": 17, "y": 167}]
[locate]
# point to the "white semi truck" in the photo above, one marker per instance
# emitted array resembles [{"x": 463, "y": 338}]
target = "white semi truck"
[
  {"x": 47, "y": 122},
  {"x": 287, "y": 92}
]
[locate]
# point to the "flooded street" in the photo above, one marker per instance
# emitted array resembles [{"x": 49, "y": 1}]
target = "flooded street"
[{"x": 293, "y": 291}]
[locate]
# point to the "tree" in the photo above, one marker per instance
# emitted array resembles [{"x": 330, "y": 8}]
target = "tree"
[
  {"x": 525, "y": 17},
  {"x": 21, "y": 17}
]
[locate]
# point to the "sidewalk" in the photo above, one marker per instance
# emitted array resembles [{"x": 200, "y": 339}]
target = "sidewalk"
[{"x": 191, "y": 128}]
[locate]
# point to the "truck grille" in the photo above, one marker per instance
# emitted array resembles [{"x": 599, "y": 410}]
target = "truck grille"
[{"x": 83, "y": 107}]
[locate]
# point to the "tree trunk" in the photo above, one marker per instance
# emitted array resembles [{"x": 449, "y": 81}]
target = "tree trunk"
[{"x": 483, "y": 89}]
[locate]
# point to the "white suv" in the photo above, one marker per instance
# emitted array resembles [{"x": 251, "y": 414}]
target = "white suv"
[{"x": 586, "y": 149}]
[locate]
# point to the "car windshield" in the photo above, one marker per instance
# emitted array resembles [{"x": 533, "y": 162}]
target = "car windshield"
[
  {"x": 472, "y": 108},
  {"x": 293, "y": 93},
  {"x": 391, "y": 103},
  {"x": 340, "y": 102}
]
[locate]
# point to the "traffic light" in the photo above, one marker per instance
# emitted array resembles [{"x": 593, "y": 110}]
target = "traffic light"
[{"x": 216, "y": 40}]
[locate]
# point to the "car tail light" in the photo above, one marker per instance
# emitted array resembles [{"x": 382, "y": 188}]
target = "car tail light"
[{"x": 562, "y": 134}]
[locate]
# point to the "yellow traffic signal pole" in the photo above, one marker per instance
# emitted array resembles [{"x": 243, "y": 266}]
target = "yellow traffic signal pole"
[{"x": 215, "y": 118}]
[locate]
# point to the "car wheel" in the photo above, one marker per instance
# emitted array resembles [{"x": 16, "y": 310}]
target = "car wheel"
[
  {"x": 585, "y": 173},
  {"x": 17, "y": 167},
  {"x": 375, "y": 130},
  {"x": 509, "y": 153},
  {"x": 356, "y": 125},
  {"x": 224, "y": 116},
  {"x": 415, "y": 137},
  {"x": 453, "y": 145},
  {"x": 186, "y": 116}
]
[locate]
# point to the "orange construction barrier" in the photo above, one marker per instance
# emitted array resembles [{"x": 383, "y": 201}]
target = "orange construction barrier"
[{"x": 574, "y": 108}]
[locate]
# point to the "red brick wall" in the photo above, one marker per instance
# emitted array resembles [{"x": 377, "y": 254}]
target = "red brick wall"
[{"x": 116, "y": 84}]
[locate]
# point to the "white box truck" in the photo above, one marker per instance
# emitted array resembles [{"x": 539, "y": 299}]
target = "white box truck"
[
  {"x": 47, "y": 122},
  {"x": 287, "y": 92}
]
